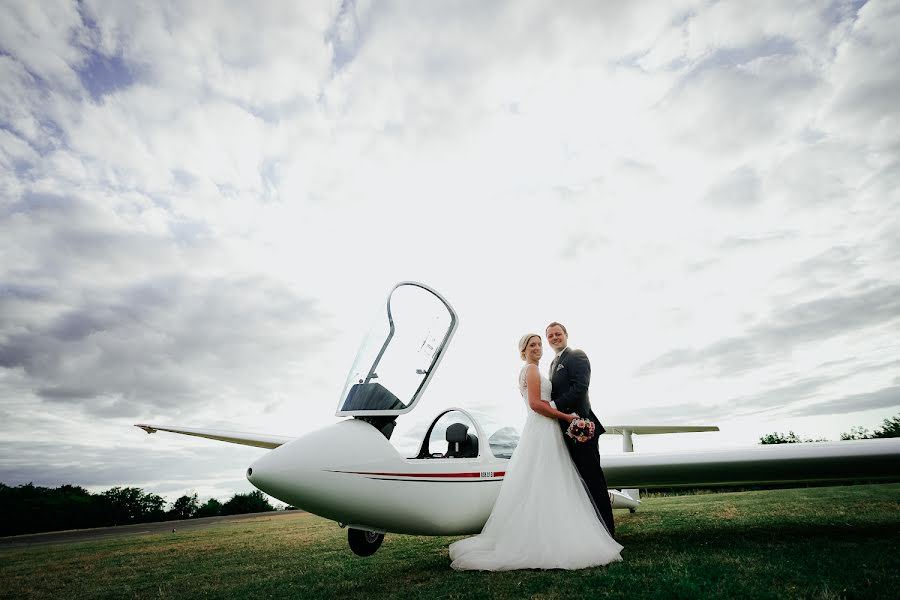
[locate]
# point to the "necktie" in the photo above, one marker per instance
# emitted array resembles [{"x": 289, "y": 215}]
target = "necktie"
[{"x": 553, "y": 364}]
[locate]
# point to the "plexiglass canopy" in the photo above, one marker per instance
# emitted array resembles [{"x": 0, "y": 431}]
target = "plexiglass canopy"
[
  {"x": 400, "y": 354},
  {"x": 501, "y": 439}
]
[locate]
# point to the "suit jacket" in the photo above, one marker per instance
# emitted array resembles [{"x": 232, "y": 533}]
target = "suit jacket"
[{"x": 570, "y": 379}]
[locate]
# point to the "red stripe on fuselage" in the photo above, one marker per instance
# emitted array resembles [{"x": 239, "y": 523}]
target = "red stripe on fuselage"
[{"x": 437, "y": 475}]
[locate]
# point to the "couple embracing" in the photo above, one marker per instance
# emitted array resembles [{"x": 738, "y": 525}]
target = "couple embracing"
[{"x": 553, "y": 510}]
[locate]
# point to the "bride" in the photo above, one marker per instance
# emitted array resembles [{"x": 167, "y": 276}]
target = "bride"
[{"x": 543, "y": 517}]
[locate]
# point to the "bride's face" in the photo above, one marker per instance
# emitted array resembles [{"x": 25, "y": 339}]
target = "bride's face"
[{"x": 534, "y": 349}]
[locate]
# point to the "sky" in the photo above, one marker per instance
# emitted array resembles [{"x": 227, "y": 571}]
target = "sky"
[{"x": 203, "y": 205}]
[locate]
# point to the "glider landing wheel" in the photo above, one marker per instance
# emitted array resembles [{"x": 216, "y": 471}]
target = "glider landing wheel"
[{"x": 364, "y": 543}]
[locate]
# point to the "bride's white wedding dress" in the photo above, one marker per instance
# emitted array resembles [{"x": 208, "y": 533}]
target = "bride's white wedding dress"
[{"x": 543, "y": 517}]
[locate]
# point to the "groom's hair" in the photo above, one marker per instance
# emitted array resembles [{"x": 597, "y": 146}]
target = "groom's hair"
[{"x": 557, "y": 324}]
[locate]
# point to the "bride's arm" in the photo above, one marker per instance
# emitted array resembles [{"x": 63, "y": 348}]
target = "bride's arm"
[{"x": 533, "y": 380}]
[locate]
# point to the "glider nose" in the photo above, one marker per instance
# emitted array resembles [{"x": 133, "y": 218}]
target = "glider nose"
[
  {"x": 264, "y": 472},
  {"x": 315, "y": 471},
  {"x": 290, "y": 471}
]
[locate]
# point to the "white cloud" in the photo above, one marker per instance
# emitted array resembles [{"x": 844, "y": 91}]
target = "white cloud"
[
  {"x": 40, "y": 36},
  {"x": 201, "y": 204}
]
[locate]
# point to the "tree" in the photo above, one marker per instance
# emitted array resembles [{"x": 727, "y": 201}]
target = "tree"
[
  {"x": 132, "y": 505},
  {"x": 889, "y": 429},
  {"x": 152, "y": 508},
  {"x": 210, "y": 508},
  {"x": 790, "y": 438},
  {"x": 780, "y": 438},
  {"x": 253, "y": 502},
  {"x": 184, "y": 507},
  {"x": 122, "y": 505},
  {"x": 856, "y": 433}
]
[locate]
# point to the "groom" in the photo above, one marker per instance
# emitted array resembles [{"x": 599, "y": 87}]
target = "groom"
[{"x": 570, "y": 374}]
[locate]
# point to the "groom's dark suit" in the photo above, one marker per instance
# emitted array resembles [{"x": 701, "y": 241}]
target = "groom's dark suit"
[{"x": 570, "y": 375}]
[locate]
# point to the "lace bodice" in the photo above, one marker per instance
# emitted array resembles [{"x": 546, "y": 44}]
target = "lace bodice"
[{"x": 546, "y": 386}]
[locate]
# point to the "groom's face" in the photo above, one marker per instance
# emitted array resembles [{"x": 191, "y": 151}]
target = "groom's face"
[{"x": 557, "y": 338}]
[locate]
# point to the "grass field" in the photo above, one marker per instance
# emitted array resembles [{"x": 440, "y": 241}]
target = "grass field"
[{"x": 835, "y": 542}]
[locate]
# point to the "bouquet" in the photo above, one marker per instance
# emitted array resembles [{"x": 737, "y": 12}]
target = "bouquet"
[{"x": 581, "y": 429}]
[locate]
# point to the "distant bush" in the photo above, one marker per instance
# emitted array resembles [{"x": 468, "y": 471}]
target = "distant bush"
[
  {"x": 184, "y": 507},
  {"x": 253, "y": 502},
  {"x": 211, "y": 508},
  {"x": 128, "y": 505},
  {"x": 890, "y": 428},
  {"x": 789, "y": 438}
]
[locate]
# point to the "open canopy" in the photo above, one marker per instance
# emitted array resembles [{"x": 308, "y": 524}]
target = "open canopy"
[{"x": 400, "y": 354}]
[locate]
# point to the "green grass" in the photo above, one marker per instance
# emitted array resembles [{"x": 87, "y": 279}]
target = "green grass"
[{"x": 837, "y": 542}]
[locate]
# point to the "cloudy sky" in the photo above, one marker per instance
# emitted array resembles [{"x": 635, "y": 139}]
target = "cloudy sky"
[{"x": 202, "y": 204}]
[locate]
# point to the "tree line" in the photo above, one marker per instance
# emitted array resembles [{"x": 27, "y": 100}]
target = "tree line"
[
  {"x": 890, "y": 428},
  {"x": 34, "y": 509}
]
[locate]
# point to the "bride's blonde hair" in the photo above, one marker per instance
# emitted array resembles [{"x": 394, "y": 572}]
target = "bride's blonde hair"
[{"x": 523, "y": 342}]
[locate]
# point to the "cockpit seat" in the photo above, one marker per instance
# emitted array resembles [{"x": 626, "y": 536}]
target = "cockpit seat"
[{"x": 461, "y": 443}]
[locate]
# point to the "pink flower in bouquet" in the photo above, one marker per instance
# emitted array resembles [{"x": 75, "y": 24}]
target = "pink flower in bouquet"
[{"x": 581, "y": 429}]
